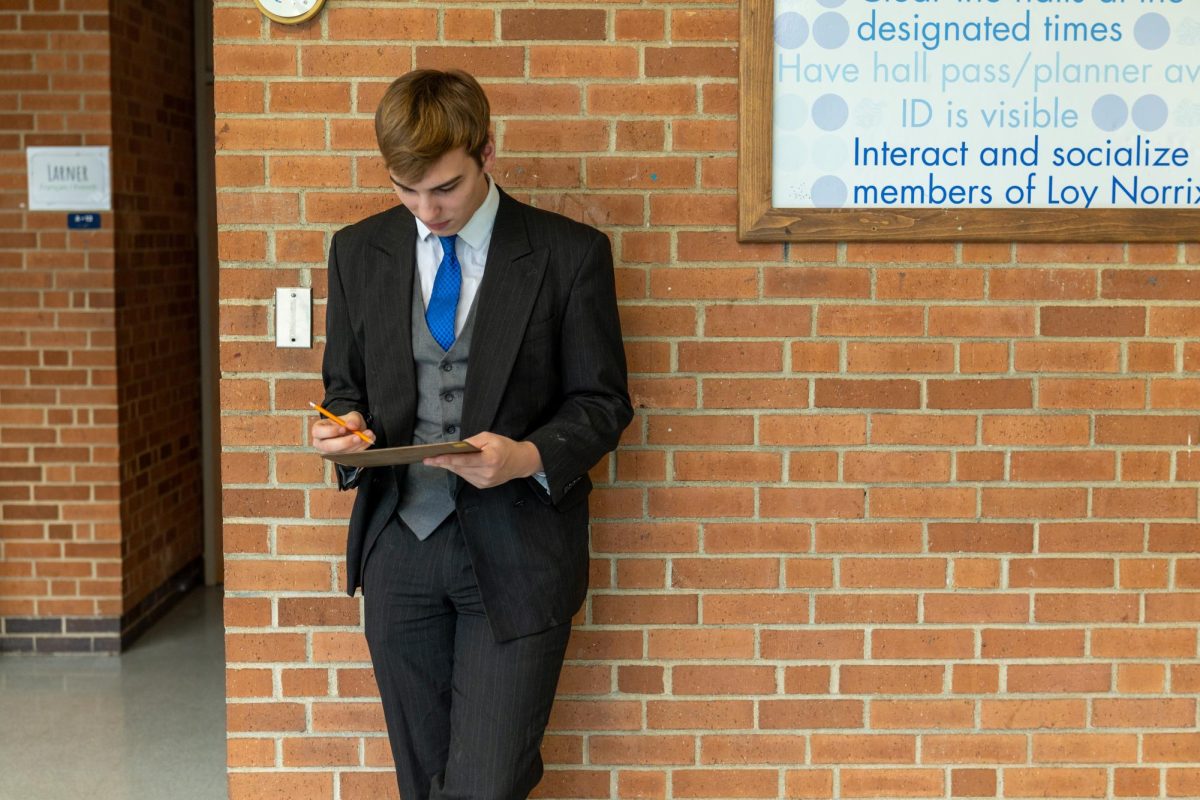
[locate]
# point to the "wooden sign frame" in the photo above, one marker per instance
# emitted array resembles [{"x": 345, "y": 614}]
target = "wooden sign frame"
[{"x": 759, "y": 221}]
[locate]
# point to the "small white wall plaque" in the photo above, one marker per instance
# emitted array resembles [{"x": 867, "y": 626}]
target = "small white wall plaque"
[{"x": 69, "y": 179}]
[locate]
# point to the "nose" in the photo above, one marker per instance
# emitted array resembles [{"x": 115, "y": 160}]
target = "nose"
[{"x": 427, "y": 208}]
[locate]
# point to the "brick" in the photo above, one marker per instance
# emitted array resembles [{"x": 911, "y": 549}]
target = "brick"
[
  {"x": 930, "y": 284},
  {"x": 816, "y": 282},
  {"x": 922, "y": 429},
  {"x": 642, "y": 750},
  {"x": 965, "y": 394},
  {"x": 257, "y": 59},
  {"x": 754, "y": 393},
  {"x": 641, "y": 173},
  {"x": 982, "y": 321},
  {"x": 756, "y": 537},
  {"x": 401, "y": 24},
  {"x": 974, "y": 748},
  {"x": 922, "y": 714},
  {"x": 870, "y": 321},
  {"x": 904, "y": 358},
  {"x": 1081, "y": 608},
  {"x": 245, "y": 785},
  {"x": 1033, "y": 714},
  {"x": 1067, "y": 356},
  {"x": 1042, "y": 284},
  {"x": 677, "y": 61},
  {"x": 839, "y": 393},
  {"x": 776, "y": 609},
  {"x": 713, "y": 25},
  {"x": 701, "y": 643},
  {"x": 468, "y": 24},
  {"x": 897, "y": 467},
  {"x": 1146, "y": 284},
  {"x": 1091, "y": 394},
  {"x": 872, "y": 608},
  {"x": 812, "y": 645},
  {"x": 1036, "y": 430},
  {"x": 923, "y": 503},
  {"x": 908, "y": 573},
  {"x": 1093, "y": 321},
  {"x": 1060, "y": 678},
  {"x": 1152, "y": 713},
  {"x": 1063, "y": 466},
  {"x": 702, "y": 284},
  {"x": 723, "y": 784},
  {"x": 707, "y": 715},
  {"x": 821, "y": 503},
  {"x": 310, "y": 97},
  {"x": 1144, "y": 502},
  {"x": 963, "y": 608},
  {"x": 890, "y": 680},
  {"x": 868, "y": 537},
  {"x": 863, "y": 749},
  {"x": 557, "y": 24},
  {"x": 578, "y": 61},
  {"x": 1146, "y": 430},
  {"x": 1146, "y": 643}
]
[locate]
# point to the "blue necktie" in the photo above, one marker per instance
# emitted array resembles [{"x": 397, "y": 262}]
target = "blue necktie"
[{"x": 443, "y": 302}]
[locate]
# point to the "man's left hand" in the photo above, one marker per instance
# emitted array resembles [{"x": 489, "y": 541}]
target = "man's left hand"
[{"x": 498, "y": 461}]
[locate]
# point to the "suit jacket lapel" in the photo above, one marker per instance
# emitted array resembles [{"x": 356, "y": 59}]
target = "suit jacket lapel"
[
  {"x": 389, "y": 323},
  {"x": 512, "y": 278}
]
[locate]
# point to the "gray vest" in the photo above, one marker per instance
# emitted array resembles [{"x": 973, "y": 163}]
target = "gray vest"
[{"x": 427, "y": 497}]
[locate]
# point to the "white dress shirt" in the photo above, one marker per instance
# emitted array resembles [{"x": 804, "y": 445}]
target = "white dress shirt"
[{"x": 471, "y": 248}]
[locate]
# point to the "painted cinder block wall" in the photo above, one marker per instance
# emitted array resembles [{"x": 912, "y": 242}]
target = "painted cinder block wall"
[
  {"x": 100, "y": 516},
  {"x": 893, "y": 520}
]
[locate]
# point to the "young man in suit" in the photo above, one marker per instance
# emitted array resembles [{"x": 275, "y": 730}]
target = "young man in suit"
[{"x": 465, "y": 314}]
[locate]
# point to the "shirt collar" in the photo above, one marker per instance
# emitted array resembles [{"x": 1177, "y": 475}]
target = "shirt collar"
[{"x": 479, "y": 228}]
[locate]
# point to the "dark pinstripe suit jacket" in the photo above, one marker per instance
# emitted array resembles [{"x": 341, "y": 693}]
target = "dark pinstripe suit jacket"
[{"x": 547, "y": 365}]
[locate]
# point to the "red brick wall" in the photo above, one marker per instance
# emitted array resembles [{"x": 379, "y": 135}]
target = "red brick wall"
[
  {"x": 60, "y": 531},
  {"x": 892, "y": 519},
  {"x": 98, "y": 355},
  {"x": 158, "y": 340}
]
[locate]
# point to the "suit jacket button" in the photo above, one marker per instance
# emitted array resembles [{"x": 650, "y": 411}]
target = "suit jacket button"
[
  {"x": 447, "y": 367},
  {"x": 451, "y": 429},
  {"x": 518, "y": 504}
]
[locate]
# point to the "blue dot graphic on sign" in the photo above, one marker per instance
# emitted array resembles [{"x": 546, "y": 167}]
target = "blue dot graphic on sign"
[
  {"x": 791, "y": 30},
  {"x": 831, "y": 3},
  {"x": 831, "y": 30},
  {"x": 829, "y": 112},
  {"x": 1149, "y": 112},
  {"x": 1152, "y": 31},
  {"x": 791, "y": 112},
  {"x": 829, "y": 191},
  {"x": 1109, "y": 112}
]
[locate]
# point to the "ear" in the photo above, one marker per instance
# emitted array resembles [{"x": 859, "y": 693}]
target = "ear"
[{"x": 489, "y": 154}]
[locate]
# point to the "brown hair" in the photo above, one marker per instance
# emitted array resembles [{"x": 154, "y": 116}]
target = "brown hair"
[{"x": 427, "y": 113}]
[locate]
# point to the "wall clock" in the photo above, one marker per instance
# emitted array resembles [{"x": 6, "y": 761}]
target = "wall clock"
[{"x": 290, "y": 12}]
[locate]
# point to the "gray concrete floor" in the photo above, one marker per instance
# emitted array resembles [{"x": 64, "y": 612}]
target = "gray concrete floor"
[{"x": 148, "y": 724}]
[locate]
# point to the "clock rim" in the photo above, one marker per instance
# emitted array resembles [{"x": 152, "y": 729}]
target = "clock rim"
[{"x": 305, "y": 17}]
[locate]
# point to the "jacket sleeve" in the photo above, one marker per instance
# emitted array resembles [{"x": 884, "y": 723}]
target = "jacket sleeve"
[
  {"x": 342, "y": 367},
  {"x": 596, "y": 407}
]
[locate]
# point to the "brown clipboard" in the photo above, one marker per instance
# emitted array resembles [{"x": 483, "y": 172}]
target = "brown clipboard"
[{"x": 391, "y": 456}]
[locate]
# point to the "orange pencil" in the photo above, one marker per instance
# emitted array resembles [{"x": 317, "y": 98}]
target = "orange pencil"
[{"x": 341, "y": 422}]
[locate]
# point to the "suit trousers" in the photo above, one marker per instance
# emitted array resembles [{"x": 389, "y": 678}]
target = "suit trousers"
[{"x": 465, "y": 714}]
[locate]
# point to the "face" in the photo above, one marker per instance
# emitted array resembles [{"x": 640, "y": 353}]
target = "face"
[{"x": 450, "y": 192}]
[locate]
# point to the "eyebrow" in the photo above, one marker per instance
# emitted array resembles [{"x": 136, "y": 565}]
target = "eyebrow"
[{"x": 445, "y": 185}]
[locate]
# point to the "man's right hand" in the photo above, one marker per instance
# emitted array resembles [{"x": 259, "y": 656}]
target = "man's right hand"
[{"x": 329, "y": 437}]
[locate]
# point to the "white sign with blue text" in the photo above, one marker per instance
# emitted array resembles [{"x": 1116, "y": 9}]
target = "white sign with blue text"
[
  {"x": 1060, "y": 104},
  {"x": 69, "y": 179}
]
